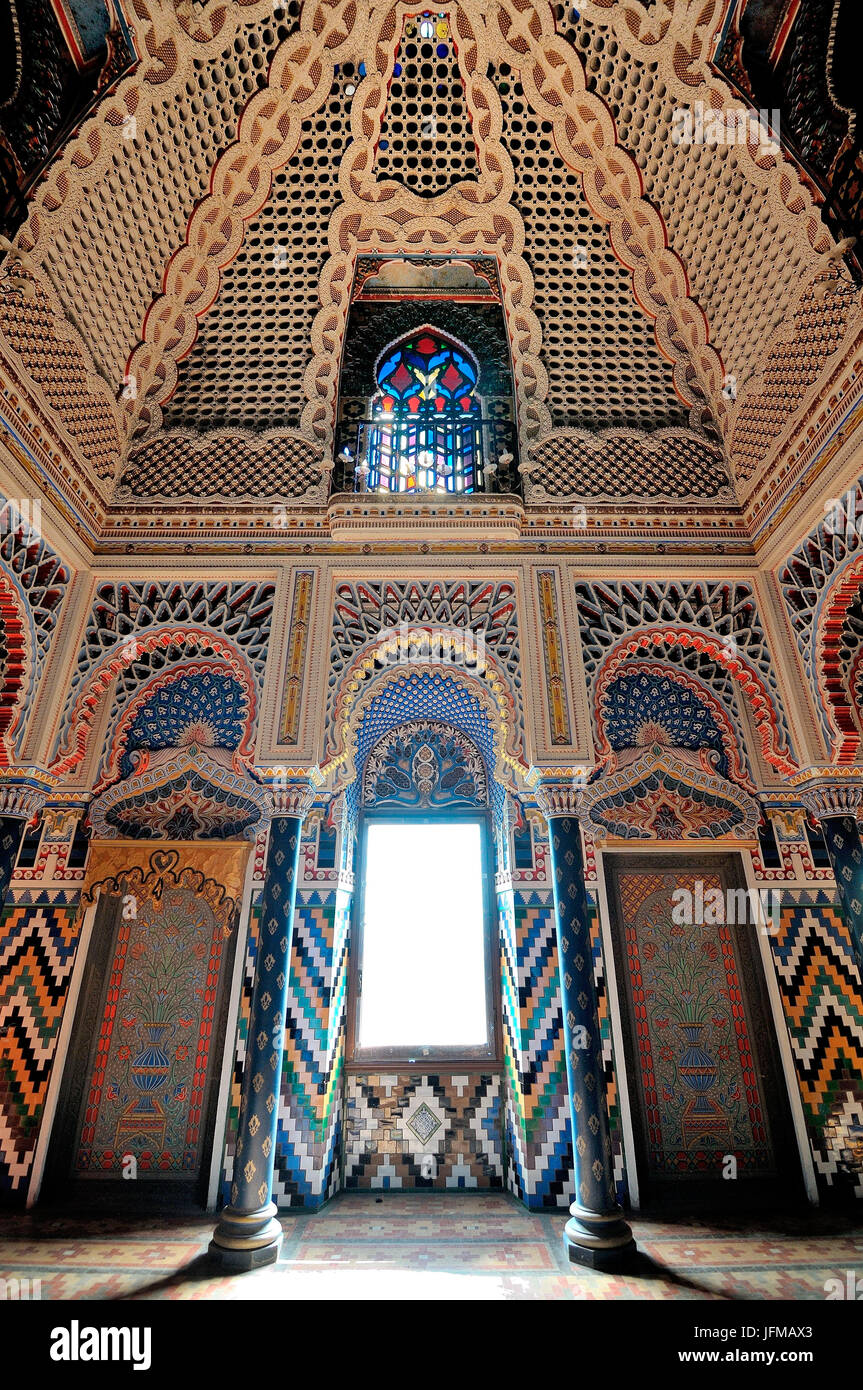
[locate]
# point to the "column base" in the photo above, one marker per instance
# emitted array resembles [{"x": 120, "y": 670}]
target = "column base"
[
  {"x": 245, "y": 1240},
  {"x": 598, "y": 1240}
]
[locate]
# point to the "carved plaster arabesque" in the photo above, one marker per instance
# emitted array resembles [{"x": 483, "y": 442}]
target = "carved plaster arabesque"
[
  {"x": 679, "y": 41},
  {"x": 174, "y": 327},
  {"x": 640, "y": 774},
  {"x": 75, "y": 739},
  {"x": 743, "y": 671},
  {"x": 360, "y": 687},
  {"x": 663, "y": 671},
  {"x": 690, "y": 25}
]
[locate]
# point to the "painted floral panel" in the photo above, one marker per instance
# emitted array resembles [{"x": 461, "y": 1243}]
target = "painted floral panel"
[
  {"x": 701, "y": 1091},
  {"x": 147, "y": 1088}
]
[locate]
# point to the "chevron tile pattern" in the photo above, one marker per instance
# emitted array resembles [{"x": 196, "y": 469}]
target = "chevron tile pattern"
[
  {"x": 37, "y": 953},
  {"x": 513, "y": 1116},
  {"x": 309, "y": 1119},
  {"x": 539, "y": 1146},
  {"x": 823, "y": 1001}
]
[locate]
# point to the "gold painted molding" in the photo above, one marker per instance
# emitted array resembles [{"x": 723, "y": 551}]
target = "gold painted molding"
[{"x": 223, "y": 861}]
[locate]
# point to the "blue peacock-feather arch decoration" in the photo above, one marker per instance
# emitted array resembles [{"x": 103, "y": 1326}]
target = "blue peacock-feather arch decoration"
[{"x": 425, "y": 765}]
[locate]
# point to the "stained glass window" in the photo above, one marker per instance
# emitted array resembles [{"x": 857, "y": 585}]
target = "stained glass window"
[{"x": 425, "y": 431}]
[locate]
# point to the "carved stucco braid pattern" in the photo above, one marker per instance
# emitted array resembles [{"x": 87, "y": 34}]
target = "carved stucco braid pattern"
[
  {"x": 474, "y": 216},
  {"x": 599, "y": 348},
  {"x": 174, "y": 49},
  {"x": 681, "y": 56},
  {"x": 269, "y": 130},
  {"x": 586, "y": 142},
  {"x": 81, "y": 215},
  {"x": 677, "y": 37},
  {"x": 471, "y": 216},
  {"x": 745, "y": 256}
]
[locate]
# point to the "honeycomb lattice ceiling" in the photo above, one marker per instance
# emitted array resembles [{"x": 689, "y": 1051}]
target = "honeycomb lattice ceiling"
[
  {"x": 108, "y": 251},
  {"x": 246, "y": 369},
  {"x": 104, "y": 252},
  {"x": 604, "y": 367},
  {"x": 741, "y": 257}
]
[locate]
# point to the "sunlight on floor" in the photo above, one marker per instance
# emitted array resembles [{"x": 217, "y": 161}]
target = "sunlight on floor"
[{"x": 428, "y": 1247}]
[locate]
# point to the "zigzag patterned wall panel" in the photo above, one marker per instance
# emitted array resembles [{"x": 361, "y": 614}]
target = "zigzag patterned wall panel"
[
  {"x": 823, "y": 1001},
  {"x": 514, "y": 1135},
  {"x": 309, "y": 1134},
  {"x": 309, "y": 1119},
  {"x": 539, "y": 1146},
  {"x": 37, "y": 953},
  {"x": 433, "y": 1131}
]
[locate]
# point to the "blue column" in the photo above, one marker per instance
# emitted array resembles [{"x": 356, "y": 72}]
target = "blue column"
[
  {"x": 22, "y": 796},
  {"x": 249, "y": 1233},
  {"x": 844, "y": 846},
  {"x": 833, "y": 796},
  {"x": 596, "y": 1234}
]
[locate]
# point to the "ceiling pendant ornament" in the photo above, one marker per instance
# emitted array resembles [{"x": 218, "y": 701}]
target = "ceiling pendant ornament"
[
  {"x": 186, "y": 793},
  {"x": 662, "y": 793}
]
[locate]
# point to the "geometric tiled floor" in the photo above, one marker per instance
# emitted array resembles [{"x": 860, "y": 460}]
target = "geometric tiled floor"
[{"x": 428, "y": 1246}]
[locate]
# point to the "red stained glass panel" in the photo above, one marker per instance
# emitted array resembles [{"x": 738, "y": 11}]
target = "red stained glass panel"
[
  {"x": 401, "y": 378},
  {"x": 452, "y": 379}
]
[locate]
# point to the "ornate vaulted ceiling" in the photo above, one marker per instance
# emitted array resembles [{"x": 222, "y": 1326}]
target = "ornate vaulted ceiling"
[{"x": 676, "y": 323}]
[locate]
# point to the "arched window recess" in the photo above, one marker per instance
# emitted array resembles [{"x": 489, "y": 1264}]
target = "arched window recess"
[{"x": 423, "y": 952}]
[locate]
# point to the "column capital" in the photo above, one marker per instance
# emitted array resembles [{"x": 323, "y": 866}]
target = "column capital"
[
  {"x": 561, "y": 794},
  {"x": 557, "y": 790},
  {"x": 24, "y": 791},
  {"x": 293, "y": 799},
  {"x": 292, "y": 790},
  {"x": 830, "y": 791}
]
